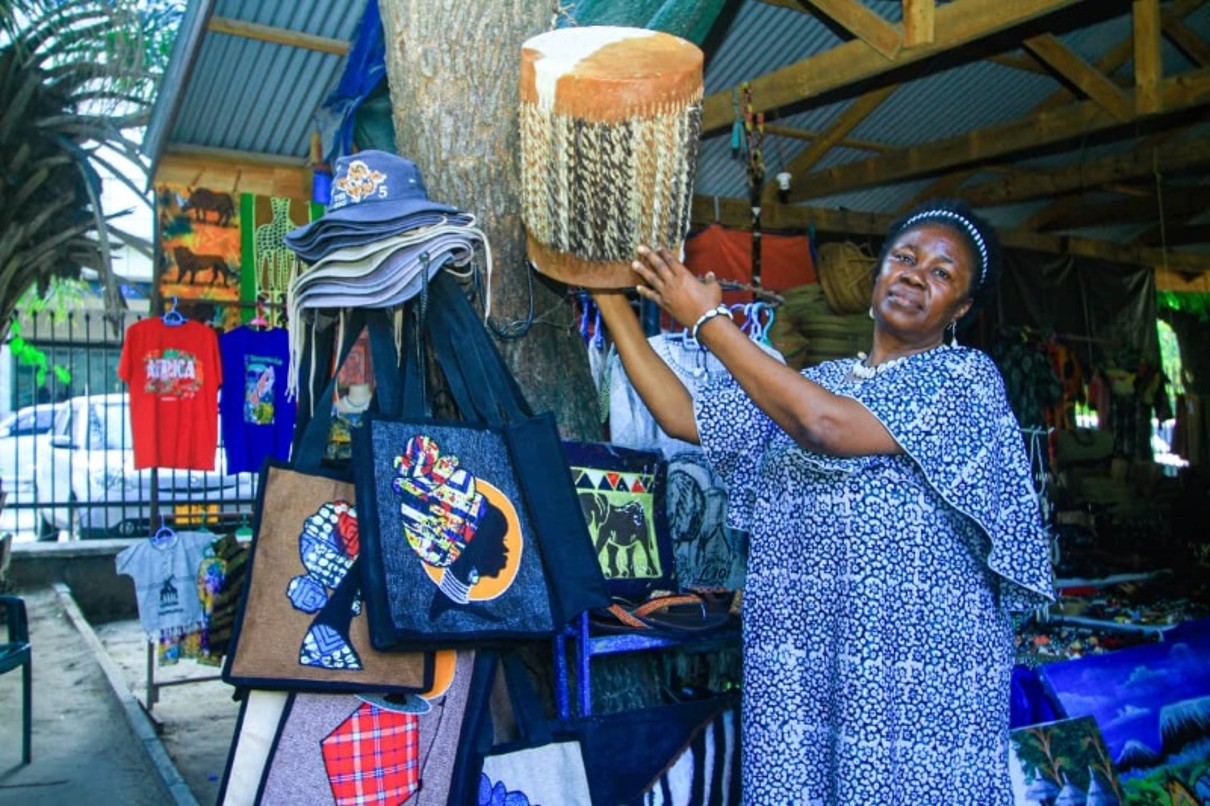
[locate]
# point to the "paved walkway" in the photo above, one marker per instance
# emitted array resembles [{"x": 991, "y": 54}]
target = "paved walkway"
[{"x": 93, "y": 741}]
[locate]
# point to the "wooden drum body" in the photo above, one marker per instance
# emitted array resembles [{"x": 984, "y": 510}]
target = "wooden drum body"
[{"x": 610, "y": 120}]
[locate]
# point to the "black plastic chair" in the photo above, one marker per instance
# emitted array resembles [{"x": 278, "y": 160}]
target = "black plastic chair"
[{"x": 18, "y": 653}]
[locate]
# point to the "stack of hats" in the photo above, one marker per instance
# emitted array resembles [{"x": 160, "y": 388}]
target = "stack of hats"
[{"x": 379, "y": 242}]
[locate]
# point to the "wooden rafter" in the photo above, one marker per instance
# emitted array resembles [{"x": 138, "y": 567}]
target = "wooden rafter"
[
  {"x": 1090, "y": 81},
  {"x": 280, "y": 36},
  {"x": 738, "y": 213},
  {"x": 1016, "y": 61},
  {"x": 861, "y": 23},
  {"x": 1057, "y": 208},
  {"x": 844, "y": 123},
  {"x": 1096, "y": 173},
  {"x": 1192, "y": 45},
  {"x": 1148, "y": 64},
  {"x": 919, "y": 22},
  {"x": 1179, "y": 93},
  {"x": 810, "y": 134},
  {"x": 1176, "y": 203},
  {"x": 1171, "y": 236},
  {"x": 940, "y": 188},
  {"x": 956, "y": 24}
]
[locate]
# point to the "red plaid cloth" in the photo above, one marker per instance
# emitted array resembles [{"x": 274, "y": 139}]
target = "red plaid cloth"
[{"x": 371, "y": 757}]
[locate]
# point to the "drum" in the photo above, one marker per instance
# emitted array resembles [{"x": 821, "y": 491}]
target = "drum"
[{"x": 610, "y": 120}]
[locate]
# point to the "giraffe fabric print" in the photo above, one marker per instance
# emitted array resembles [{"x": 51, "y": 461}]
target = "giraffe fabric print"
[
  {"x": 275, "y": 262},
  {"x": 302, "y": 624}
]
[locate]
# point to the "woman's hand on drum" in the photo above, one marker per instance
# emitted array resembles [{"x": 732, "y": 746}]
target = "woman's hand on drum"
[{"x": 669, "y": 284}]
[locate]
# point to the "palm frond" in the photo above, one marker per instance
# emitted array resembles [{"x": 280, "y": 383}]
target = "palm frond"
[{"x": 74, "y": 75}]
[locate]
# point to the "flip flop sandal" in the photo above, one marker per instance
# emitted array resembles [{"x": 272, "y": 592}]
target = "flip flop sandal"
[
  {"x": 718, "y": 600},
  {"x": 664, "y": 615}
]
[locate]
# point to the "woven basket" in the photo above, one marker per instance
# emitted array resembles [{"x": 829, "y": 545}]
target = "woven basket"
[
  {"x": 845, "y": 275},
  {"x": 807, "y": 331}
]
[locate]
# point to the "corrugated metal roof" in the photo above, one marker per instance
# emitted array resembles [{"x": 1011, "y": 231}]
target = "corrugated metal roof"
[{"x": 247, "y": 94}]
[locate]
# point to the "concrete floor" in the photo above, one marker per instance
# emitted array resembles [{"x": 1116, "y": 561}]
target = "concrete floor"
[{"x": 94, "y": 741}]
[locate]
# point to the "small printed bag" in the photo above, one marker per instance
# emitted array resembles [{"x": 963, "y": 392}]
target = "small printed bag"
[
  {"x": 536, "y": 767},
  {"x": 472, "y": 534},
  {"x": 622, "y": 494},
  {"x": 302, "y": 622},
  {"x": 472, "y": 530},
  {"x": 358, "y": 749}
]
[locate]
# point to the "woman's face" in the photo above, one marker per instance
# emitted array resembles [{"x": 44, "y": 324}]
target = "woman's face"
[{"x": 924, "y": 283}]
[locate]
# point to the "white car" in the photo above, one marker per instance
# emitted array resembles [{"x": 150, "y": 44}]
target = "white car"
[
  {"x": 87, "y": 485},
  {"x": 20, "y": 435}
]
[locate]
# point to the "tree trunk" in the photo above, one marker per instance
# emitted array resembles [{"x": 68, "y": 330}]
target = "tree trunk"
[{"x": 453, "y": 67}]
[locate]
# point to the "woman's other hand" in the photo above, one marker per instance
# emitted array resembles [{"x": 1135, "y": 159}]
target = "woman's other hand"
[{"x": 670, "y": 285}]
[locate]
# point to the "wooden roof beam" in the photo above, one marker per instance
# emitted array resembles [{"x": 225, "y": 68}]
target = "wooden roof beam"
[
  {"x": 1090, "y": 81},
  {"x": 1179, "y": 93},
  {"x": 738, "y": 213},
  {"x": 1097, "y": 173},
  {"x": 861, "y": 23},
  {"x": 844, "y": 123},
  {"x": 1180, "y": 235},
  {"x": 1016, "y": 61},
  {"x": 811, "y": 134},
  {"x": 957, "y": 23},
  {"x": 1148, "y": 60},
  {"x": 1121, "y": 53},
  {"x": 1176, "y": 203},
  {"x": 1192, "y": 45},
  {"x": 279, "y": 36},
  {"x": 919, "y": 23}
]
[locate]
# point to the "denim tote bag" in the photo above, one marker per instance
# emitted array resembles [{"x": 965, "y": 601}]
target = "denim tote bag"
[{"x": 471, "y": 528}]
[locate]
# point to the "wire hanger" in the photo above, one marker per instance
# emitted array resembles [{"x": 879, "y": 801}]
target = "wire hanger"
[
  {"x": 259, "y": 321},
  {"x": 172, "y": 316}
]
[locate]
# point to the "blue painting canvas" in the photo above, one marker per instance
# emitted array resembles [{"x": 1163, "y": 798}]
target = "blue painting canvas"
[{"x": 1152, "y": 704}]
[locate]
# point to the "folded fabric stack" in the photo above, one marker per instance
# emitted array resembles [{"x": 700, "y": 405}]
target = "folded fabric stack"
[{"x": 379, "y": 242}]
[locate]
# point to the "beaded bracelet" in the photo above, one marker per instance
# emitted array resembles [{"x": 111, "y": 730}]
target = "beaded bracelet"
[{"x": 721, "y": 310}]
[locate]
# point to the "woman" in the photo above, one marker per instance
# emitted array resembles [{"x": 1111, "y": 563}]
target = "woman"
[{"x": 893, "y": 527}]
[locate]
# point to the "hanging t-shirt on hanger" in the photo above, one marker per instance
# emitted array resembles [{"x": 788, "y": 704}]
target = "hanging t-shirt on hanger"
[
  {"x": 165, "y": 581},
  {"x": 173, "y": 373},
  {"x": 257, "y": 418}
]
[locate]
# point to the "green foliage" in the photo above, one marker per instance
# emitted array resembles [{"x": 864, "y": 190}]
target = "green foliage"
[
  {"x": 63, "y": 295},
  {"x": 76, "y": 77},
  {"x": 1170, "y": 360},
  {"x": 28, "y": 355},
  {"x": 1187, "y": 302}
]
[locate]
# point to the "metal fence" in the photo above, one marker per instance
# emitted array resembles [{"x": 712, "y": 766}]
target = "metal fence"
[{"x": 66, "y": 453}]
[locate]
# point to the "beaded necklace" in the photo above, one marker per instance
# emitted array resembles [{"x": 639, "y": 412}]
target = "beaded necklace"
[{"x": 863, "y": 371}]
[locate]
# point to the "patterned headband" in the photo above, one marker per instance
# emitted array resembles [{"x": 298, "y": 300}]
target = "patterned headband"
[{"x": 967, "y": 225}]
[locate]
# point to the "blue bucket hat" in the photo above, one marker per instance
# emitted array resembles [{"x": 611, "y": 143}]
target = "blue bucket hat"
[{"x": 371, "y": 190}]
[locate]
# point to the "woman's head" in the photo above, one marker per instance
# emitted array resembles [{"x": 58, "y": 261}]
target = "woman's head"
[{"x": 947, "y": 256}]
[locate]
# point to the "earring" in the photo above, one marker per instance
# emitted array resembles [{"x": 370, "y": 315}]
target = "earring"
[
  {"x": 951, "y": 330},
  {"x": 871, "y": 311}
]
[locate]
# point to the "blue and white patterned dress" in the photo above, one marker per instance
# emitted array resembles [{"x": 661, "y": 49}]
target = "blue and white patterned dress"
[{"x": 878, "y": 648}]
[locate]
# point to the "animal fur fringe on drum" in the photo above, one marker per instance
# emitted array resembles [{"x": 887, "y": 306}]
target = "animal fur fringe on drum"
[{"x": 592, "y": 192}]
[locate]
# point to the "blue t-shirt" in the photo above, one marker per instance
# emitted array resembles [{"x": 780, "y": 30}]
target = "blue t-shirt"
[{"x": 257, "y": 418}]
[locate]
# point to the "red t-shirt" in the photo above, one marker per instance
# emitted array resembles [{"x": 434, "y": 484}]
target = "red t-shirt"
[{"x": 173, "y": 373}]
